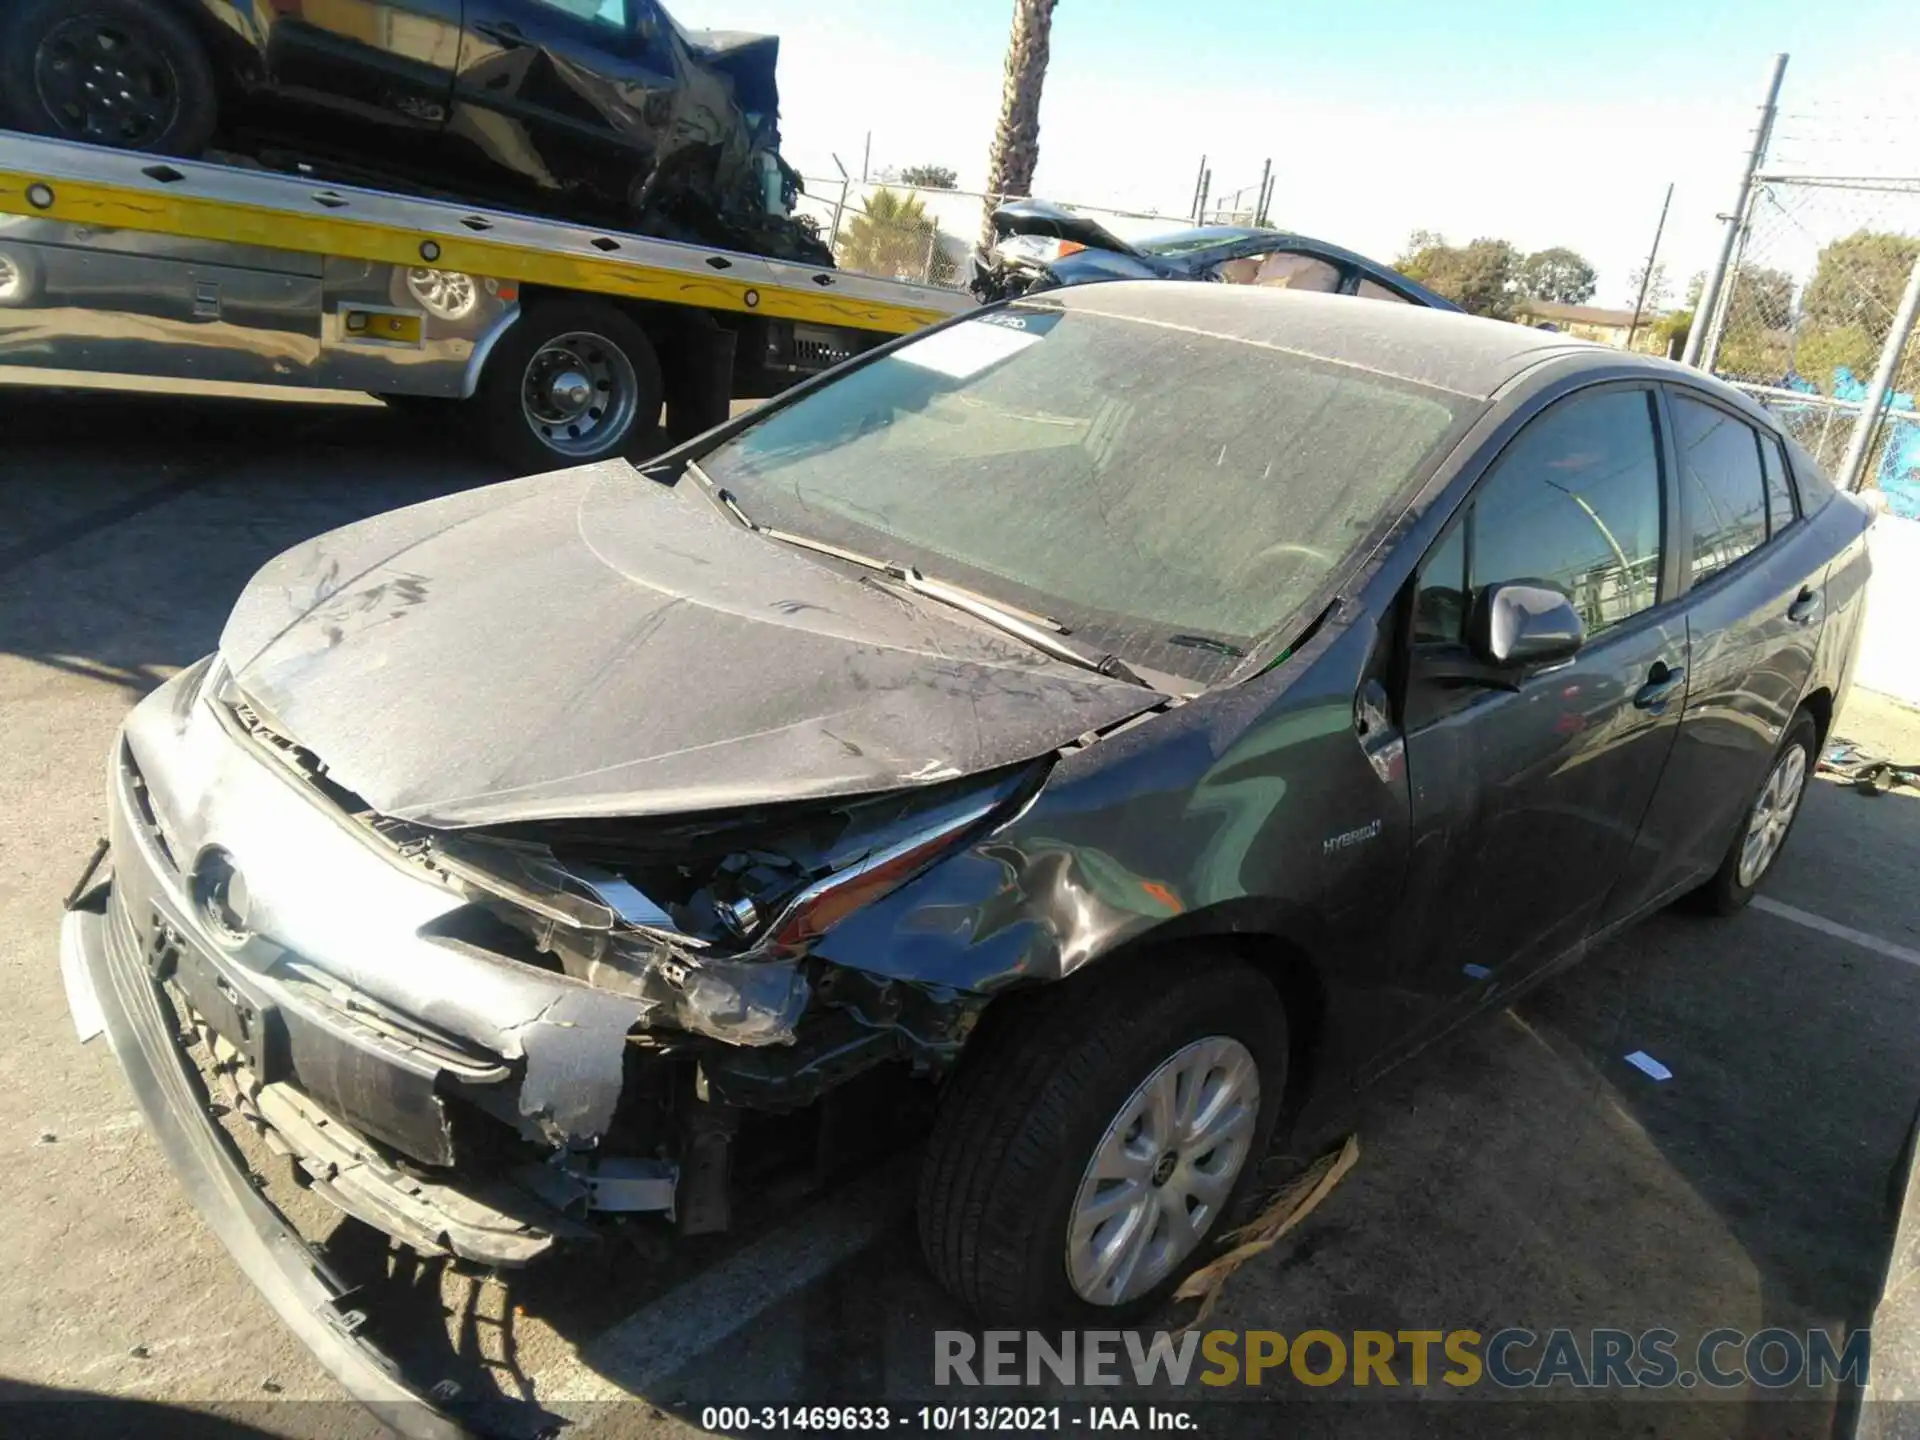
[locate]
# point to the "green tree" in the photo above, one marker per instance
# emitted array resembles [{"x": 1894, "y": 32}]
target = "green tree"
[
  {"x": 930, "y": 177},
  {"x": 894, "y": 237},
  {"x": 1557, "y": 274},
  {"x": 1858, "y": 281},
  {"x": 1756, "y": 341},
  {"x": 1658, "y": 290},
  {"x": 1819, "y": 351},
  {"x": 1481, "y": 277},
  {"x": 1016, "y": 139}
]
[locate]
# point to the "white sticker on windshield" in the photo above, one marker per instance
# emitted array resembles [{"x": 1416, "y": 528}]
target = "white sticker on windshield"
[{"x": 966, "y": 349}]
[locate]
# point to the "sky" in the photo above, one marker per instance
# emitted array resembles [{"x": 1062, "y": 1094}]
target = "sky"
[{"x": 1545, "y": 123}]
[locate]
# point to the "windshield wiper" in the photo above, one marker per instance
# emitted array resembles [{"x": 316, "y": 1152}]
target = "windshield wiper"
[{"x": 1042, "y": 632}]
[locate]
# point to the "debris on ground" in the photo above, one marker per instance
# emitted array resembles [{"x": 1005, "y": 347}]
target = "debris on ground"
[
  {"x": 1866, "y": 773},
  {"x": 1291, "y": 1204},
  {"x": 1647, "y": 1065}
]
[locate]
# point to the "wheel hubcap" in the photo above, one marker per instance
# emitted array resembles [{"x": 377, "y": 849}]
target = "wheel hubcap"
[
  {"x": 1772, "y": 813},
  {"x": 580, "y": 394},
  {"x": 105, "y": 82},
  {"x": 11, "y": 280},
  {"x": 1163, "y": 1170}
]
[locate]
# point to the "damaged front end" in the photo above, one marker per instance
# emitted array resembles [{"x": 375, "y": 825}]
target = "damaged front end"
[{"x": 483, "y": 1041}]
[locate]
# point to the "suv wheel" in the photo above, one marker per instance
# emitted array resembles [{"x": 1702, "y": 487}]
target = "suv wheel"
[
  {"x": 125, "y": 73},
  {"x": 1096, "y": 1139}
]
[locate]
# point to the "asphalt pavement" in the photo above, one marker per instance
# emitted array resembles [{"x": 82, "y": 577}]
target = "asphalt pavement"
[{"x": 1522, "y": 1174}]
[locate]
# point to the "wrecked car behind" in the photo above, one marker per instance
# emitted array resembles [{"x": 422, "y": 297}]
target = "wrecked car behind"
[{"x": 1029, "y": 691}]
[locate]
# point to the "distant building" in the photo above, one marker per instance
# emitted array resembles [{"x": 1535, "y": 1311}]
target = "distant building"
[{"x": 1591, "y": 322}]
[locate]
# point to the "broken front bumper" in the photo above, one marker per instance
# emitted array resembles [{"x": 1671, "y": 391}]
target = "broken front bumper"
[{"x": 108, "y": 983}]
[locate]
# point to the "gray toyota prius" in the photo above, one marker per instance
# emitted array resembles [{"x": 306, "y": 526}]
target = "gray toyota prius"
[{"x": 1113, "y": 716}]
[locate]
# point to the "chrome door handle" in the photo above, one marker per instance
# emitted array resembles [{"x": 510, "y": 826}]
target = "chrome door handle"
[{"x": 1662, "y": 681}]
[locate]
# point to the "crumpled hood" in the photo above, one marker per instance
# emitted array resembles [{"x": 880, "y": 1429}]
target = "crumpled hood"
[{"x": 593, "y": 642}]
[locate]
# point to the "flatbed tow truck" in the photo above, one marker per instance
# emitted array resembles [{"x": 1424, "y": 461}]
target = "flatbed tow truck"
[{"x": 567, "y": 341}]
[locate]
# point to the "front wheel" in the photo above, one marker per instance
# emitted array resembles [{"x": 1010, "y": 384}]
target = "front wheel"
[
  {"x": 126, "y": 73},
  {"x": 573, "y": 382},
  {"x": 1094, "y": 1142},
  {"x": 1766, "y": 823}
]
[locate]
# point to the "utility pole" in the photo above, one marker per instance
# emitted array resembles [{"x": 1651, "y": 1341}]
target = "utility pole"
[
  {"x": 1260, "y": 202},
  {"x": 840, "y": 205},
  {"x": 1646, "y": 275},
  {"x": 866, "y": 158},
  {"x": 1206, "y": 193},
  {"x": 1193, "y": 206},
  {"x": 1853, "y": 467},
  {"x": 1716, "y": 278}
]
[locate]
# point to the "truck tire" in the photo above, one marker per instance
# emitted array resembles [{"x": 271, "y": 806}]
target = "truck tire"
[
  {"x": 574, "y": 381},
  {"x": 126, "y": 73},
  {"x": 1053, "y": 1187}
]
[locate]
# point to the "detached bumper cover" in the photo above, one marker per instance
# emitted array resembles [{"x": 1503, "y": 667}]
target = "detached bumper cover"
[{"x": 294, "y": 1281}]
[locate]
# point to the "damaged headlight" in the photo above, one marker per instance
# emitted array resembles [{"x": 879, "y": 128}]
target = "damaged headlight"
[
  {"x": 1041, "y": 250},
  {"x": 710, "y": 918},
  {"x": 744, "y": 1002}
]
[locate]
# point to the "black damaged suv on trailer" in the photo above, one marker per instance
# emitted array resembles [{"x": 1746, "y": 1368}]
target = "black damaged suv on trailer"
[
  {"x": 1134, "y": 709},
  {"x": 604, "y": 112}
]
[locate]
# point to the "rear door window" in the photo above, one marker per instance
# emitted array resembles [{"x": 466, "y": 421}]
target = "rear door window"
[
  {"x": 1725, "y": 491},
  {"x": 1780, "y": 507}
]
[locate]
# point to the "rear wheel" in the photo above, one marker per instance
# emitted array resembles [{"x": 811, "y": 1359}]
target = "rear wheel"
[
  {"x": 126, "y": 73},
  {"x": 1094, "y": 1142},
  {"x": 1767, "y": 823},
  {"x": 573, "y": 382}
]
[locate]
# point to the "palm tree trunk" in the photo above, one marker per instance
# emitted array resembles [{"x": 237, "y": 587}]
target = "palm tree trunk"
[{"x": 1016, "y": 140}]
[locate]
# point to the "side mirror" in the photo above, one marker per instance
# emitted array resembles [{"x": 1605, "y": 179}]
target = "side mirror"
[{"x": 1519, "y": 624}]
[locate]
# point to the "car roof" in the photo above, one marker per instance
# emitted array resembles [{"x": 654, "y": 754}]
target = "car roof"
[{"x": 1444, "y": 349}]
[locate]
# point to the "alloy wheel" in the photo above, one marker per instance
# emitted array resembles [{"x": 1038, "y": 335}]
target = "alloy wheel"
[
  {"x": 1163, "y": 1171},
  {"x": 1772, "y": 813}
]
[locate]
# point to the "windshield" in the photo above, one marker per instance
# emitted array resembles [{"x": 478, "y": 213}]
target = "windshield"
[{"x": 1171, "y": 495}]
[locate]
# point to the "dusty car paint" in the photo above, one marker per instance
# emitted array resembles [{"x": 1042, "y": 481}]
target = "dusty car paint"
[{"x": 814, "y": 683}]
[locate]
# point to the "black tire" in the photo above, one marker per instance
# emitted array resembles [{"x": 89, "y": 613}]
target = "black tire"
[
  {"x": 157, "y": 94},
  {"x": 1724, "y": 894},
  {"x": 512, "y": 370},
  {"x": 1034, "y": 1095}
]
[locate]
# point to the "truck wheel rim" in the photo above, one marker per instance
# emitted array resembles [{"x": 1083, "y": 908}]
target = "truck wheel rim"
[
  {"x": 13, "y": 282},
  {"x": 105, "y": 82},
  {"x": 1772, "y": 814},
  {"x": 1163, "y": 1171},
  {"x": 579, "y": 394}
]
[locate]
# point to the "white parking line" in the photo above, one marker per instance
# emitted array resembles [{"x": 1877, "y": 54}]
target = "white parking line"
[
  {"x": 1838, "y": 931},
  {"x": 634, "y": 1355}
]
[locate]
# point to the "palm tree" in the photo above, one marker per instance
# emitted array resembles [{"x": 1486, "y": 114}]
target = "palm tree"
[
  {"x": 894, "y": 237},
  {"x": 1016, "y": 140}
]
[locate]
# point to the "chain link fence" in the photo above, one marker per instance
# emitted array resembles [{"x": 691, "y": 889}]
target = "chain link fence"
[
  {"x": 1809, "y": 307},
  {"x": 924, "y": 235}
]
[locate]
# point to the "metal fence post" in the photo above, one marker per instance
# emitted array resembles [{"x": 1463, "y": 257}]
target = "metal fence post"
[
  {"x": 1861, "y": 443},
  {"x": 1710, "y": 294}
]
